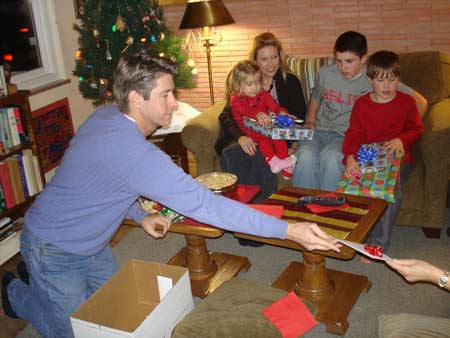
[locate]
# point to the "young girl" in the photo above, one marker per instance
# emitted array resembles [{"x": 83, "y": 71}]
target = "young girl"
[{"x": 248, "y": 99}]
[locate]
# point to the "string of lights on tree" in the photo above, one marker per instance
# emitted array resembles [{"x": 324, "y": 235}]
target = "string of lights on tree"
[{"x": 111, "y": 29}]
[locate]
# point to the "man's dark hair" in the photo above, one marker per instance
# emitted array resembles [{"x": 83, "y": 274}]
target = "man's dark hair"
[
  {"x": 138, "y": 72},
  {"x": 383, "y": 63},
  {"x": 351, "y": 42}
]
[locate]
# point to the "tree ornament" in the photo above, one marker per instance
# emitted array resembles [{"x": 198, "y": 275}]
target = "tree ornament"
[
  {"x": 161, "y": 36},
  {"x": 95, "y": 32},
  {"x": 194, "y": 71},
  {"x": 152, "y": 38},
  {"x": 129, "y": 42},
  {"x": 108, "y": 53},
  {"x": 146, "y": 18},
  {"x": 120, "y": 23},
  {"x": 93, "y": 83},
  {"x": 191, "y": 63}
]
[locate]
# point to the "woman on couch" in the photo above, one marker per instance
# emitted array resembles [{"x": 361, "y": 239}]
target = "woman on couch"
[{"x": 238, "y": 153}]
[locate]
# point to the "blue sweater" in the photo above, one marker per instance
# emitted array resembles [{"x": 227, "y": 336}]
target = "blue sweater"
[{"x": 107, "y": 166}]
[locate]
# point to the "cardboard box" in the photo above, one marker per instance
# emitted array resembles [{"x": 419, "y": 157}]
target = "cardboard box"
[
  {"x": 275, "y": 132},
  {"x": 139, "y": 301}
]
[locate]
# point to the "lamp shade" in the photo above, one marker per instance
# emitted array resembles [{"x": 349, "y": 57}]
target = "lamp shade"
[{"x": 205, "y": 14}]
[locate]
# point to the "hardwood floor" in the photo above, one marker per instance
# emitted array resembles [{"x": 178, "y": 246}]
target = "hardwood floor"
[{"x": 10, "y": 328}]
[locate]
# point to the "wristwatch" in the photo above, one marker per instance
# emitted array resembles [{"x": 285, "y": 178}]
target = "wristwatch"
[{"x": 444, "y": 279}]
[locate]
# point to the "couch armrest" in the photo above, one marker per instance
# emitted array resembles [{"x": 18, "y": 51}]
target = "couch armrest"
[{"x": 199, "y": 136}]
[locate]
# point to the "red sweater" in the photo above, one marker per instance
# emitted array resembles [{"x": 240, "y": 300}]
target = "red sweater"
[
  {"x": 372, "y": 122},
  {"x": 245, "y": 106}
]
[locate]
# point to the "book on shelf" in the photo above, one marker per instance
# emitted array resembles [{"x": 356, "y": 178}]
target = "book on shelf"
[
  {"x": 15, "y": 138},
  {"x": 40, "y": 184},
  {"x": 3, "y": 84},
  {"x": 30, "y": 173},
  {"x": 5, "y": 130},
  {"x": 2, "y": 200},
  {"x": 22, "y": 174},
  {"x": 5, "y": 181},
  {"x": 20, "y": 126},
  {"x": 14, "y": 174}
]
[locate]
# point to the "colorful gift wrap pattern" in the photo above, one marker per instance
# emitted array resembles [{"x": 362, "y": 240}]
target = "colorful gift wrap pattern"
[
  {"x": 277, "y": 132},
  {"x": 338, "y": 223},
  {"x": 377, "y": 184},
  {"x": 155, "y": 207},
  {"x": 372, "y": 158}
]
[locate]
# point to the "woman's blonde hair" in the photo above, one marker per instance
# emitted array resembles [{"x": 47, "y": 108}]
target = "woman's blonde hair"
[
  {"x": 238, "y": 75},
  {"x": 268, "y": 39}
]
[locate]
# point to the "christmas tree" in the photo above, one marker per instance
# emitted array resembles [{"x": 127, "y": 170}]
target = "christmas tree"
[{"x": 114, "y": 28}]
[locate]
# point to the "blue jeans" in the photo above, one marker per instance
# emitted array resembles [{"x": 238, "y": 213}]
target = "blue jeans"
[
  {"x": 319, "y": 162},
  {"x": 381, "y": 232},
  {"x": 59, "y": 283}
]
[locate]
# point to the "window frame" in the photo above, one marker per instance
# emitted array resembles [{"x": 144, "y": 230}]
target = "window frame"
[{"x": 50, "y": 49}]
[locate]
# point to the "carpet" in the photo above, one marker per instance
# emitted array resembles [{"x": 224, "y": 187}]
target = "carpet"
[{"x": 389, "y": 293}]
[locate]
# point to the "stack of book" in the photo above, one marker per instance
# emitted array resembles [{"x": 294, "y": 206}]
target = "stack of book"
[
  {"x": 9, "y": 237},
  {"x": 12, "y": 132},
  {"x": 20, "y": 178}
]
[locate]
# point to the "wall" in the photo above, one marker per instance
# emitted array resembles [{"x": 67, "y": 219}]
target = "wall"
[
  {"x": 310, "y": 27},
  {"x": 306, "y": 28}
]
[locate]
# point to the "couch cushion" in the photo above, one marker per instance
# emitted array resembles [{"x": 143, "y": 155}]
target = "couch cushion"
[
  {"x": 306, "y": 70},
  {"x": 422, "y": 71},
  {"x": 404, "y": 325},
  {"x": 439, "y": 115}
]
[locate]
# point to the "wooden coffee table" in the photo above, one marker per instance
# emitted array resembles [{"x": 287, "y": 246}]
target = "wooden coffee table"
[
  {"x": 334, "y": 292},
  {"x": 208, "y": 270}
]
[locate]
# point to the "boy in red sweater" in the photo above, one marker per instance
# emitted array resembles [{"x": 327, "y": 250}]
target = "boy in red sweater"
[{"x": 383, "y": 115}]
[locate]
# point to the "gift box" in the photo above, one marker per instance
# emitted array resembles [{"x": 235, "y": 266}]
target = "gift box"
[
  {"x": 280, "y": 132},
  {"x": 381, "y": 184},
  {"x": 155, "y": 207},
  {"x": 372, "y": 158}
]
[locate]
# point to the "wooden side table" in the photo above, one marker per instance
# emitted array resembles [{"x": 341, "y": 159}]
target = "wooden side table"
[
  {"x": 208, "y": 270},
  {"x": 171, "y": 144},
  {"x": 334, "y": 292}
]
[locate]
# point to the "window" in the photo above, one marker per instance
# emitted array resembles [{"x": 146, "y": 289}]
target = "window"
[{"x": 33, "y": 43}]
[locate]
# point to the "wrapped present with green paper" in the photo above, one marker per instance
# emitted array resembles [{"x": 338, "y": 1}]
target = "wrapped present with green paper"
[
  {"x": 155, "y": 207},
  {"x": 381, "y": 184}
]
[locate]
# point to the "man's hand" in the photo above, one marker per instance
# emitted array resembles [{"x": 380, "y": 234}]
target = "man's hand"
[
  {"x": 311, "y": 237},
  {"x": 247, "y": 145},
  {"x": 309, "y": 124},
  {"x": 352, "y": 167},
  {"x": 395, "y": 147},
  {"x": 150, "y": 222}
]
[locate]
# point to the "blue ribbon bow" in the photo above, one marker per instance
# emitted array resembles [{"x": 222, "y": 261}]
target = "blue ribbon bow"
[{"x": 284, "y": 121}]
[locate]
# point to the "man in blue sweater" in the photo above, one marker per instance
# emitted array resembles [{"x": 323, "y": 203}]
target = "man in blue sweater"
[{"x": 107, "y": 166}]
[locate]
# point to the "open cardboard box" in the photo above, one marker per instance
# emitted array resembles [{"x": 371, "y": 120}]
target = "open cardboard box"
[{"x": 139, "y": 301}]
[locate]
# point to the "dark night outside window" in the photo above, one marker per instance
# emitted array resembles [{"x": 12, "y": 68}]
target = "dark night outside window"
[{"x": 18, "y": 37}]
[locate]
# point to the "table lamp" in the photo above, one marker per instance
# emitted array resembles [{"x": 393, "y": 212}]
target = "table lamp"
[{"x": 205, "y": 14}]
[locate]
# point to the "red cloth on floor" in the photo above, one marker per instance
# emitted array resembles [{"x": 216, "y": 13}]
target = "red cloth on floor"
[{"x": 290, "y": 316}]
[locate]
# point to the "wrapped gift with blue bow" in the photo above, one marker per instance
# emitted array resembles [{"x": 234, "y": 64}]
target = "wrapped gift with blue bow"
[{"x": 283, "y": 127}]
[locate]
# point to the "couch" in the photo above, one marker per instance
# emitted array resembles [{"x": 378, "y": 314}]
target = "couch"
[{"x": 425, "y": 196}]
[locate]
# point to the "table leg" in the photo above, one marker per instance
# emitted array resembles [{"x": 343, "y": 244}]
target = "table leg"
[
  {"x": 334, "y": 292},
  {"x": 207, "y": 271}
]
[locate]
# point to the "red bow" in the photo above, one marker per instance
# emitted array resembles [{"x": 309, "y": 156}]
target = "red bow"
[{"x": 374, "y": 250}]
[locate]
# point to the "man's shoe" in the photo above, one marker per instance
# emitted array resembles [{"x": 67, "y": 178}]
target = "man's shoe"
[
  {"x": 7, "y": 278},
  {"x": 22, "y": 271}
]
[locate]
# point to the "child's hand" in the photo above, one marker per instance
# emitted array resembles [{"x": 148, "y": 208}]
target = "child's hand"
[
  {"x": 264, "y": 119},
  {"x": 352, "y": 170},
  {"x": 248, "y": 145},
  {"x": 151, "y": 221},
  {"x": 395, "y": 148}
]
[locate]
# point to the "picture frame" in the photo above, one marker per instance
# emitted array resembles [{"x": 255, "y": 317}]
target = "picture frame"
[
  {"x": 79, "y": 8},
  {"x": 53, "y": 129}
]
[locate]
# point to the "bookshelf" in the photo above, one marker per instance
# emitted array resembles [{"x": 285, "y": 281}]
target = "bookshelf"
[{"x": 10, "y": 246}]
